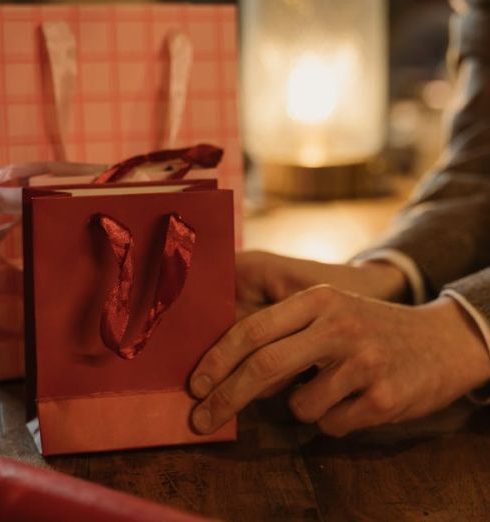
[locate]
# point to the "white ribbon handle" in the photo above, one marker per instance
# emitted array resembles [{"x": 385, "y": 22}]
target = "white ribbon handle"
[
  {"x": 180, "y": 55},
  {"x": 60, "y": 81},
  {"x": 61, "y": 78}
]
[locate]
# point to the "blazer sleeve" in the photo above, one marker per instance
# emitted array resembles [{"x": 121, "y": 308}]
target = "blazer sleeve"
[{"x": 445, "y": 227}]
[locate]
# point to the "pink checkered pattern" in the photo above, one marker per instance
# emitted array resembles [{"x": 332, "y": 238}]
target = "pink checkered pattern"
[{"x": 120, "y": 80}]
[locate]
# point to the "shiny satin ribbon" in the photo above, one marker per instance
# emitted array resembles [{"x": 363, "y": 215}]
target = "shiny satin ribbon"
[
  {"x": 200, "y": 156},
  {"x": 176, "y": 257},
  {"x": 180, "y": 52},
  {"x": 60, "y": 75},
  {"x": 59, "y": 80}
]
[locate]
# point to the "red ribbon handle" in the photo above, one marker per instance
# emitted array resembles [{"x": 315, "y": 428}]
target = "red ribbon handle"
[
  {"x": 176, "y": 257},
  {"x": 200, "y": 156}
]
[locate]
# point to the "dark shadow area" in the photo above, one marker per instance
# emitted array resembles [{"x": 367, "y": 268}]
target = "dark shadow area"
[{"x": 86, "y": 321}]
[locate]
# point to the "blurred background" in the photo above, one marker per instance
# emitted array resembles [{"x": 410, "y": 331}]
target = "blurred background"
[
  {"x": 386, "y": 93},
  {"x": 341, "y": 99},
  {"x": 418, "y": 90}
]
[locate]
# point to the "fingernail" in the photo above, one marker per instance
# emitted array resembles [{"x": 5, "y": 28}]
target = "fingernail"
[
  {"x": 201, "y": 386},
  {"x": 201, "y": 419}
]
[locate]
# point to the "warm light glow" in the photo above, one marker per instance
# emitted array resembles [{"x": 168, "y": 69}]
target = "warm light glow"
[
  {"x": 311, "y": 153},
  {"x": 316, "y": 87},
  {"x": 313, "y": 89},
  {"x": 314, "y": 97}
]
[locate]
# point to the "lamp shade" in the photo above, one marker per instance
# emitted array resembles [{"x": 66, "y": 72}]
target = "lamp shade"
[{"x": 313, "y": 80}]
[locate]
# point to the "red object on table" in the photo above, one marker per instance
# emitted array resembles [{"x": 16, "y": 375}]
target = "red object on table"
[
  {"x": 29, "y": 494},
  {"x": 107, "y": 367}
]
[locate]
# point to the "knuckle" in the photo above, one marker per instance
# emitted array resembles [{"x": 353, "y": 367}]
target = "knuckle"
[
  {"x": 337, "y": 327},
  {"x": 342, "y": 322},
  {"x": 320, "y": 295},
  {"x": 264, "y": 365},
  {"x": 344, "y": 326},
  {"x": 370, "y": 361},
  {"x": 317, "y": 334},
  {"x": 253, "y": 331},
  {"x": 221, "y": 400},
  {"x": 215, "y": 362},
  {"x": 381, "y": 401}
]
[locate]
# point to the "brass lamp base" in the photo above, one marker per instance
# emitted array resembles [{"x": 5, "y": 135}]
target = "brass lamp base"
[{"x": 357, "y": 180}]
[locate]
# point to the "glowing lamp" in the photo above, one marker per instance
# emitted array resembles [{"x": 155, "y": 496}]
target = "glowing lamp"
[{"x": 313, "y": 81}]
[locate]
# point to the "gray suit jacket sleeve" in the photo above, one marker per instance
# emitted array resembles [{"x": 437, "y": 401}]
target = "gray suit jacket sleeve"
[{"x": 445, "y": 228}]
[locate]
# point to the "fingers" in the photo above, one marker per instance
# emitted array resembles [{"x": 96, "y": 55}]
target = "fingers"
[
  {"x": 272, "y": 365},
  {"x": 262, "y": 352},
  {"x": 376, "y": 406},
  {"x": 275, "y": 388},
  {"x": 254, "y": 332},
  {"x": 310, "y": 402},
  {"x": 297, "y": 380}
]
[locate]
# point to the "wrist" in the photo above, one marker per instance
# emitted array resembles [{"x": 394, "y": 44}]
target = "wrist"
[
  {"x": 461, "y": 336},
  {"x": 387, "y": 282}
]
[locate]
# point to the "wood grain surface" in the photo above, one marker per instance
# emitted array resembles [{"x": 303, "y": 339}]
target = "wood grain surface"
[{"x": 436, "y": 470}]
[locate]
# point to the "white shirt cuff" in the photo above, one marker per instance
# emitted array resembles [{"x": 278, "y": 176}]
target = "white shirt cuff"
[
  {"x": 404, "y": 263},
  {"x": 480, "y": 321},
  {"x": 478, "y": 396}
]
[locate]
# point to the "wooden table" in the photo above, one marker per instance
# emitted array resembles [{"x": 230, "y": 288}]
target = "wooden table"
[
  {"x": 437, "y": 469},
  {"x": 325, "y": 231},
  {"x": 433, "y": 470}
]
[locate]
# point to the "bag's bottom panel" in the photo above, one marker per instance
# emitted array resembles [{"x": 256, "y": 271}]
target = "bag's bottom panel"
[{"x": 120, "y": 421}]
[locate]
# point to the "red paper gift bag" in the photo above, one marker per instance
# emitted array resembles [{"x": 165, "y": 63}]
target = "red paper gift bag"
[
  {"x": 126, "y": 287},
  {"x": 96, "y": 84}
]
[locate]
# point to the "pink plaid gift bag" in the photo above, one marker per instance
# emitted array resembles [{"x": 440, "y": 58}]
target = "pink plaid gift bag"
[{"x": 82, "y": 87}]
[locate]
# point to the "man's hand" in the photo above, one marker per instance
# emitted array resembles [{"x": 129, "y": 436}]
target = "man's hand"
[
  {"x": 378, "y": 362},
  {"x": 264, "y": 278}
]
